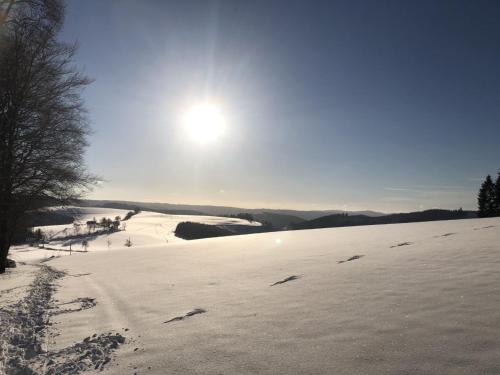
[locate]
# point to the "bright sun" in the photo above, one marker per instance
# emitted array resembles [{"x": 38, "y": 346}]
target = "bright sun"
[{"x": 204, "y": 123}]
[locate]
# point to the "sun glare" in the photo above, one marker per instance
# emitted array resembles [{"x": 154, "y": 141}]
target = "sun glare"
[{"x": 204, "y": 123}]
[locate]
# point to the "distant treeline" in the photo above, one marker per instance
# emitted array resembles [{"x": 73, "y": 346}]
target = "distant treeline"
[
  {"x": 47, "y": 217},
  {"x": 192, "y": 231},
  {"x": 37, "y": 218},
  {"x": 242, "y": 216},
  {"x": 131, "y": 213},
  {"x": 188, "y": 230},
  {"x": 344, "y": 220},
  {"x": 270, "y": 221},
  {"x": 141, "y": 207}
]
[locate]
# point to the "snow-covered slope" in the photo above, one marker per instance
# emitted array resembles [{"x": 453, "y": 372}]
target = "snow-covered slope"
[
  {"x": 80, "y": 215},
  {"x": 420, "y": 298},
  {"x": 143, "y": 229}
]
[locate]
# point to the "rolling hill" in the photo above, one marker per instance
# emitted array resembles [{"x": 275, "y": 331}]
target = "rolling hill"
[{"x": 416, "y": 298}]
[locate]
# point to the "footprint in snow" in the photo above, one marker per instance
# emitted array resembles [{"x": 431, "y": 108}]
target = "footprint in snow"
[
  {"x": 446, "y": 235},
  {"x": 289, "y": 278},
  {"x": 187, "y": 315},
  {"x": 80, "y": 274},
  {"x": 487, "y": 227},
  {"x": 28, "y": 322},
  {"x": 402, "y": 244},
  {"x": 83, "y": 304},
  {"x": 351, "y": 258}
]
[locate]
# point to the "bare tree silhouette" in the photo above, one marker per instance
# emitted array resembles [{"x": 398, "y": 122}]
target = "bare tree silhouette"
[{"x": 43, "y": 125}]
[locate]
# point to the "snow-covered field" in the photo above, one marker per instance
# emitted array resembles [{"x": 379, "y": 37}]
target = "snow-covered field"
[
  {"x": 420, "y": 298},
  {"x": 144, "y": 229},
  {"x": 80, "y": 215}
]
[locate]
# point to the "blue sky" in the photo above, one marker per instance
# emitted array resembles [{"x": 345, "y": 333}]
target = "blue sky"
[{"x": 383, "y": 105}]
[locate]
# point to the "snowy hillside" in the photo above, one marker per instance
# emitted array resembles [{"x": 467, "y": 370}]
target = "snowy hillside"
[
  {"x": 143, "y": 229},
  {"x": 80, "y": 215},
  {"x": 418, "y": 298}
]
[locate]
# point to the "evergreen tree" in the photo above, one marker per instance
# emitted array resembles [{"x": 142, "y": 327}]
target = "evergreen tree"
[
  {"x": 486, "y": 198},
  {"x": 497, "y": 195}
]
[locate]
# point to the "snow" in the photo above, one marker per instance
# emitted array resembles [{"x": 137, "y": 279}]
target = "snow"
[
  {"x": 14, "y": 285},
  {"x": 80, "y": 215},
  {"x": 149, "y": 223},
  {"x": 419, "y": 298},
  {"x": 143, "y": 229},
  {"x": 426, "y": 307}
]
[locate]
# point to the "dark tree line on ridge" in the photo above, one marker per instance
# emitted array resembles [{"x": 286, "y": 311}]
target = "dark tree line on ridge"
[
  {"x": 345, "y": 220},
  {"x": 488, "y": 198}
]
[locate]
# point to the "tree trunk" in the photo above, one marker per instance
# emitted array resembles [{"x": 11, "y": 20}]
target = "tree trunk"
[
  {"x": 4, "y": 250},
  {"x": 5, "y": 238}
]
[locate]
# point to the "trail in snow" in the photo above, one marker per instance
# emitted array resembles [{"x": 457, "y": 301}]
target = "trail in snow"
[{"x": 26, "y": 334}]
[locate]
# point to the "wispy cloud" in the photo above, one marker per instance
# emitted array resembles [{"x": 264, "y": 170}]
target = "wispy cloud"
[
  {"x": 430, "y": 195},
  {"x": 404, "y": 189},
  {"x": 398, "y": 199},
  {"x": 425, "y": 188}
]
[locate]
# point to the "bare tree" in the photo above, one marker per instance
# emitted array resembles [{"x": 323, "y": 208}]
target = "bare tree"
[
  {"x": 43, "y": 124},
  {"x": 5, "y": 7}
]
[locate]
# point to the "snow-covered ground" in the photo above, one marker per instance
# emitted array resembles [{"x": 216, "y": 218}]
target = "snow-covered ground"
[
  {"x": 80, "y": 215},
  {"x": 143, "y": 229},
  {"x": 420, "y": 298}
]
